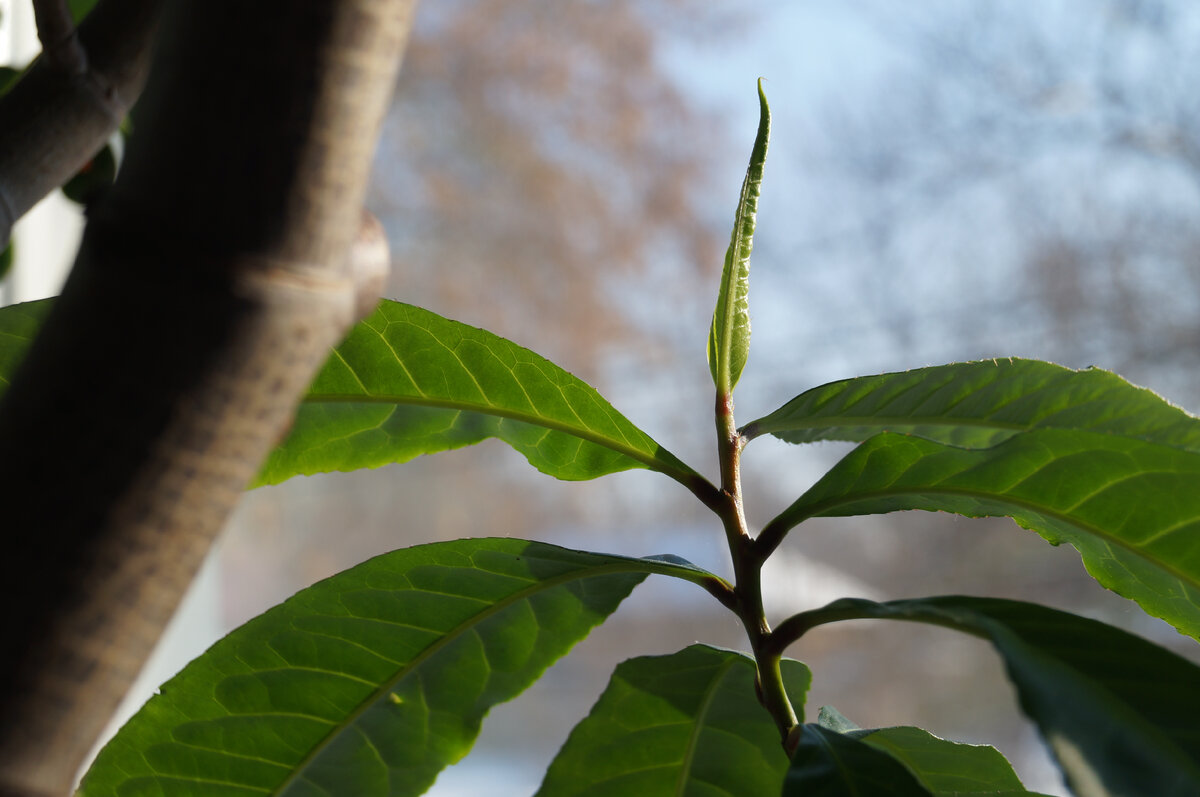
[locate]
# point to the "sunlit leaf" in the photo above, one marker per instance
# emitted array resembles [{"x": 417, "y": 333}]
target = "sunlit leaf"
[
  {"x": 828, "y": 764},
  {"x": 408, "y": 382},
  {"x": 684, "y": 724},
  {"x": 1118, "y": 712},
  {"x": 729, "y": 336},
  {"x": 979, "y": 404},
  {"x": 370, "y": 682},
  {"x": 1131, "y": 507}
]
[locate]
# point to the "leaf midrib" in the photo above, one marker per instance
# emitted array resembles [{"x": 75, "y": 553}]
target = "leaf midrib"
[
  {"x": 583, "y": 433},
  {"x": 822, "y": 506},
  {"x": 689, "y": 755},
  {"x": 626, "y": 566},
  {"x": 880, "y": 422},
  {"x": 870, "y": 421}
]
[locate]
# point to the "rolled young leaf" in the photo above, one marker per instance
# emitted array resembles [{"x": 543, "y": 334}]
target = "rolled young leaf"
[
  {"x": 683, "y": 724},
  {"x": 1131, "y": 507},
  {"x": 729, "y": 335},
  {"x": 1118, "y": 712},
  {"x": 370, "y": 682},
  {"x": 979, "y": 404}
]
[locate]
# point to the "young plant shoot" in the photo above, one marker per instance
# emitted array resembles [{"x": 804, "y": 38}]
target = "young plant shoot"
[{"x": 371, "y": 682}]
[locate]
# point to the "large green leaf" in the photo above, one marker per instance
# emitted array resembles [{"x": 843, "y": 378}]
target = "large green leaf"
[
  {"x": 1119, "y": 713},
  {"x": 943, "y": 767},
  {"x": 828, "y": 764},
  {"x": 729, "y": 335},
  {"x": 979, "y": 404},
  {"x": 369, "y": 683},
  {"x": 408, "y": 382},
  {"x": 684, "y": 724},
  {"x": 1131, "y": 507}
]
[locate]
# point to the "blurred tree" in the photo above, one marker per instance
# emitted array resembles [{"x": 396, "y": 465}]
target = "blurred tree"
[{"x": 549, "y": 162}]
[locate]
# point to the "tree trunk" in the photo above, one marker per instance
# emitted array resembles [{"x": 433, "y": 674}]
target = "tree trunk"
[{"x": 211, "y": 283}]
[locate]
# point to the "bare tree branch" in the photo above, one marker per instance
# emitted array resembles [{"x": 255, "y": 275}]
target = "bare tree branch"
[
  {"x": 213, "y": 279},
  {"x": 57, "y": 117}
]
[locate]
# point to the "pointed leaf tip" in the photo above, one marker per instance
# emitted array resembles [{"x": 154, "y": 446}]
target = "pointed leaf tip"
[{"x": 729, "y": 336}]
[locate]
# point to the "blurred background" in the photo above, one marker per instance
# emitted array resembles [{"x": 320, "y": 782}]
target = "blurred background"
[{"x": 947, "y": 180}]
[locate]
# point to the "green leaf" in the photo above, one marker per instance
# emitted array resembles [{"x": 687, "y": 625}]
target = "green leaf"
[
  {"x": 945, "y": 767},
  {"x": 684, "y": 724},
  {"x": 408, "y": 382},
  {"x": 979, "y": 404},
  {"x": 1118, "y": 712},
  {"x": 1131, "y": 507},
  {"x": 828, "y": 764},
  {"x": 6, "y": 261},
  {"x": 371, "y": 682},
  {"x": 829, "y": 717},
  {"x": 18, "y": 325},
  {"x": 729, "y": 336},
  {"x": 8, "y": 78},
  {"x": 94, "y": 178},
  {"x": 80, "y": 8}
]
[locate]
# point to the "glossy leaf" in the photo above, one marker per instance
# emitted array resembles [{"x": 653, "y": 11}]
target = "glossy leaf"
[
  {"x": 979, "y": 404},
  {"x": 729, "y": 335},
  {"x": 369, "y": 683},
  {"x": 408, "y": 382},
  {"x": 684, "y": 724},
  {"x": 1131, "y": 507},
  {"x": 1118, "y": 712},
  {"x": 829, "y": 764}
]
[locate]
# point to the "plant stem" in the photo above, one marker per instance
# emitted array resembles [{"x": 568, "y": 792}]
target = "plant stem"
[{"x": 747, "y": 567}]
